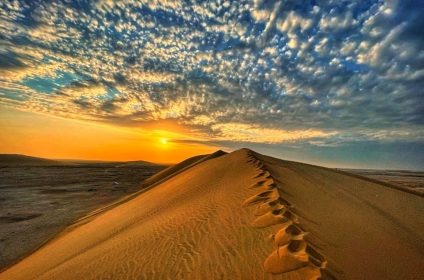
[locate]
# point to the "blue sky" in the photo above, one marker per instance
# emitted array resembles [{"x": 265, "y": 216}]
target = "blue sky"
[{"x": 339, "y": 82}]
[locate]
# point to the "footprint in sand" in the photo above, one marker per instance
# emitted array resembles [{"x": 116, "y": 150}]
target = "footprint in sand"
[
  {"x": 288, "y": 233},
  {"x": 287, "y": 258},
  {"x": 293, "y": 255}
]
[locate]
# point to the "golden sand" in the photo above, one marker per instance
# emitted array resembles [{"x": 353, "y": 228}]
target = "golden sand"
[{"x": 243, "y": 216}]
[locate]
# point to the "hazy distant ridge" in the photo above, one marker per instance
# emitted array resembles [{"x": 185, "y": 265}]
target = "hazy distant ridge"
[
  {"x": 22, "y": 160},
  {"x": 11, "y": 160}
]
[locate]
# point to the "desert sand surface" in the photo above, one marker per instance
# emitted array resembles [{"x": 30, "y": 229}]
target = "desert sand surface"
[
  {"x": 409, "y": 180},
  {"x": 40, "y": 197},
  {"x": 243, "y": 216}
]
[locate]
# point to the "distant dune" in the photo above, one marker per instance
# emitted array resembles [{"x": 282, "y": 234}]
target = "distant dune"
[
  {"x": 22, "y": 160},
  {"x": 243, "y": 216},
  {"x": 11, "y": 160},
  {"x": 135, "y": 163}
]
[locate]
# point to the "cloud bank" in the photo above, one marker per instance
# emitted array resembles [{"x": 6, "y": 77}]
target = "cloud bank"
[{"x": 322, "y": 72}]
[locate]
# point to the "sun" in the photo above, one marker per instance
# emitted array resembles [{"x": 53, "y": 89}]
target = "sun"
[{"x": 164, "y": 141}]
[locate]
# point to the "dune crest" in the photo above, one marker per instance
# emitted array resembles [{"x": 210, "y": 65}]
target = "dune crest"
[
  {"x": 242, "y": 215},
  {"x": 293, "y": 255}
]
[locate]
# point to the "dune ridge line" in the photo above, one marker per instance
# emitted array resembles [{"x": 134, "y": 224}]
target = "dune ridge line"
[
  {"x": 242, "y": 215},
  {"x": 293, "y": 253}
]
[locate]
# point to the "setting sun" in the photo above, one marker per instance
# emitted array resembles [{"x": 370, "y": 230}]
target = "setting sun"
[{"x": 164, "y": 141}]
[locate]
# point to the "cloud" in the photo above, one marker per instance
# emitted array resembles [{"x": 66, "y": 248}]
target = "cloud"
[
  {"x": 151, "y": 77},
  {"x": 87, "y": 89},
  {"x": 248, "y": 133},
  {"x": 337, "y": 21},
  {"x": 255, "y": 71},
  {"x": 294, "y": 21}
]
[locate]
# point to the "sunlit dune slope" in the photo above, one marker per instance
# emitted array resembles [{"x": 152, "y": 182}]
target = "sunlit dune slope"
[
  {"x": 178, "y": 168},
  {"x": 244, "y": 216}
]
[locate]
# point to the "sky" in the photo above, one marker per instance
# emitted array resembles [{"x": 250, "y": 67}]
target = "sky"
[{"x": 334, "y": 83}]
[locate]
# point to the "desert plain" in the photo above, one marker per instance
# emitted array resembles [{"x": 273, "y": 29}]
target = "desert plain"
[{"x": 39, "y": 197}]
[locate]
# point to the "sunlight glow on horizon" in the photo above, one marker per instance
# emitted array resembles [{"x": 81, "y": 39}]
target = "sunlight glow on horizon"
[
  {"x": 329, "y": 82},
  {"x": 59, "y": 138}
]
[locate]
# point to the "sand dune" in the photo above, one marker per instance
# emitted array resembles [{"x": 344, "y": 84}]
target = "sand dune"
[
  {"x": 243, "y": 216},
  {"x": 180, "y": 167},
  {"x": 12, "y": 160},
  {"x": 37, "y": 202}
]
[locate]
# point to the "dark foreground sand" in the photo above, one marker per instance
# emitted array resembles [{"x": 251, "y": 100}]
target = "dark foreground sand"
[
  {"x": 242, "y": 216},
  {"x": 36, "y": 202}
]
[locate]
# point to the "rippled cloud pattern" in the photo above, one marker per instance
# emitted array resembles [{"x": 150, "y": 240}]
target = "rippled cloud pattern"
[{"x": 315, "y": 72}]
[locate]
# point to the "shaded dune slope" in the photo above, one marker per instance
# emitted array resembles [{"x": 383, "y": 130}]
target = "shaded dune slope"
[{"x": 244, "y": 216}]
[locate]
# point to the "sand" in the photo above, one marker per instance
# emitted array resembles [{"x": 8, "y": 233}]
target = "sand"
[
  {"x": 38, "y": 202},
  {"x": 410, "y": 181},
  {"x": 243, "y": 216}
]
